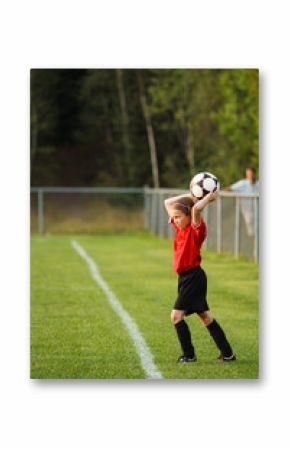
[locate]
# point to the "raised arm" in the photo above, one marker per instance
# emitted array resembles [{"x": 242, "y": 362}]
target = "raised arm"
[{"x": 200, "y": 205}]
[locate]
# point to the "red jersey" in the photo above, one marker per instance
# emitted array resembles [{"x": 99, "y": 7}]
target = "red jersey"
[{"x": 187, "y": 244}]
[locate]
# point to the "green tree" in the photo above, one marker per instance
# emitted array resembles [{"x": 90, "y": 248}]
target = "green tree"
[
  {"x": 182, "y": 101},
  {"x": 88, "y": 127},
  {"x": 54, "y": 120},
  {"x": 238, "y": 121}
]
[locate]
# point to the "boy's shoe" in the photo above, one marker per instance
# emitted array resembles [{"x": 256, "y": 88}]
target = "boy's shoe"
[
  {"x": 223, "y": 358},
  {"x": 185, "y": 359}
]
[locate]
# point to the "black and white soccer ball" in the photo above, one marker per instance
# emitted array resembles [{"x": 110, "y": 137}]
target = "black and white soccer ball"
[{"x": 202, "y": 184}]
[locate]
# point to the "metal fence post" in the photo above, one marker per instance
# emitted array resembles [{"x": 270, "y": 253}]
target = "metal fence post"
[
  {"x": 146, "y": 207},
  {"x": 40, "y": 211},
  {"x": 237, "y": 228},
  {"x": 154, "y": 223},
  {"x": 219, "y": 225},
  {"x": 160, "y": 215},
  {"x": 206, "y": 222},
  {"x": 256, "y": 242}
]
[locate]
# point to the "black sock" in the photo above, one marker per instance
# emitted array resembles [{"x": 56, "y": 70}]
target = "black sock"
[
  {"x": 220, "y": 339},
  {"x": 184, "y": 337}
]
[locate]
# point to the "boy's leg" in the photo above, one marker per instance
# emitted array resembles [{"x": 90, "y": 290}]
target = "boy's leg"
[
  {"x": 217, "y": 334},
  {"x": 183, "y": 333}
]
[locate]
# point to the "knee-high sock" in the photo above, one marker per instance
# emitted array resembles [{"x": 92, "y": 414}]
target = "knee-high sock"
[
  {"x": 220, "y": 339},
  {"x": 184, "y": 337}
]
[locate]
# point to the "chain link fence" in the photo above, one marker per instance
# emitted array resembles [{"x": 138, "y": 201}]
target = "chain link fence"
[
  {"x": 86, "y": 210},
  {"x": 232, "y": 220}
]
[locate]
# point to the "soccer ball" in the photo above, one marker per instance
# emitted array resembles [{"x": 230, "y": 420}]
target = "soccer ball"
[{"x": 202, "y": 184}]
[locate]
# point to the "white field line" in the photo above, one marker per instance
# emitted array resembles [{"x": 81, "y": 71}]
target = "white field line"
[{"x": 141, "y": 346}]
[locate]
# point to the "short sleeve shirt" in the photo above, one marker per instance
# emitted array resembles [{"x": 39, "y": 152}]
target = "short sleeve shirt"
[{"x": 187, "y": 244}]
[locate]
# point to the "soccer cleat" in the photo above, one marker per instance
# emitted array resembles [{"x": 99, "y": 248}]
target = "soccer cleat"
[
  {"x": 185, "y": 359},
  {"x": 223, "y": 358}
]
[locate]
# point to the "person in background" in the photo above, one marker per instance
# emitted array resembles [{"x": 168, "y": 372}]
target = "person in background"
[{"x": 247, "y": 185}]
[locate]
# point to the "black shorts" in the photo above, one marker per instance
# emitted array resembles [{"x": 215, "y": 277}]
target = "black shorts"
[{"x": 192, "y": 286}]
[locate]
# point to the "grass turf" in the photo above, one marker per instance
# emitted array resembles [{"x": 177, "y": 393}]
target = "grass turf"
[{"x": 76, "y": 334}]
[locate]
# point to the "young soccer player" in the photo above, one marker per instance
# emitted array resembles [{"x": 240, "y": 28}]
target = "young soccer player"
[{"x": 190, "y": 232}]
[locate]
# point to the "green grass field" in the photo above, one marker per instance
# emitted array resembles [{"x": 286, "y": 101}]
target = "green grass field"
[{"x": 76, "y": 334}]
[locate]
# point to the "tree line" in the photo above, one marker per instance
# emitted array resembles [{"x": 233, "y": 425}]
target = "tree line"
[{"x": 131, "y": 127}]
